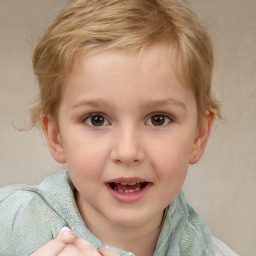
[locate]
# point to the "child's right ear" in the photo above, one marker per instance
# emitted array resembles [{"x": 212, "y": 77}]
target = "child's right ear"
[{"x": 53, "y": 137}]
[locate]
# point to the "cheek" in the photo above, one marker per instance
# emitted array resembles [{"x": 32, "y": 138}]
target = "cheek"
[
  {"x": 171, "y": 168},
  {"x": 171, "y": 158},
  {"x": 81, "y": 148},
  {"x": 85, "y": 168},
  {"x": 84, "y": 158},
  {"x": 173, "y": 150}
]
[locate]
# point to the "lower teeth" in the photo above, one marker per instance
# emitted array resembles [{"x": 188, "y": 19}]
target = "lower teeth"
[
  {"x": 127, "y": 191},
  {"x": 114, "y": 187}
]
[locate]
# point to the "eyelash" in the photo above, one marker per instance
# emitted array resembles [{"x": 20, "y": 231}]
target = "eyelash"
[
  {"x": 166, "y": 116},
  {"x": 149, "y": 119},
  {"x": 87, "y": 117}
]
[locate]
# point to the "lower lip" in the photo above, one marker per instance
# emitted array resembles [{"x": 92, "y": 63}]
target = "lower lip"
[{"x": 129, "y": 197}]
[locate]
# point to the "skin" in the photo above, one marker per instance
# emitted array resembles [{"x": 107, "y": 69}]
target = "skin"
[
  {"x": 130, "y": 92},
  {"x": 67, "y": 243}
]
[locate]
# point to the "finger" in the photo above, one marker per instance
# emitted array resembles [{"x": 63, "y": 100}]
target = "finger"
[
  {"x": 58, "y": 244},
  {"x": 85, "y": 247},
  {"x": 107, "y": 252},
  {"x": 69, "y": 250},
  {"x": 66, "y": 236}
]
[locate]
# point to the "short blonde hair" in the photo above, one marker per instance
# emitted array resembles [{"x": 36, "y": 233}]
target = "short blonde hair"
[{"x": 122, "y": 24}]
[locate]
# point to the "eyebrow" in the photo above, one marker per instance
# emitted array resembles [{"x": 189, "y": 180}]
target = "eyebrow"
[
  {"x": 164, "y": 102},
  {"x": 92, "y": 103},
  {"x": 147, "y": 104}
]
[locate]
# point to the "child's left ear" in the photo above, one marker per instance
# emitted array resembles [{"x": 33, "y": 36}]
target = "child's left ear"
[{"x": 203, "y": 134}]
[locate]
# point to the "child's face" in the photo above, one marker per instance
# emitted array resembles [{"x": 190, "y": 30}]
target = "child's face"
[{"x": 126, "y": 119}]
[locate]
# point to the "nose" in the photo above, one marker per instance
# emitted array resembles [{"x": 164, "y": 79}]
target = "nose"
[{"x": 127, "y": 147}]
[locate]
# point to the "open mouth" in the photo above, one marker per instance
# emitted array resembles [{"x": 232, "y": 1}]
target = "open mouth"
[{"x": 128, "y": 187}]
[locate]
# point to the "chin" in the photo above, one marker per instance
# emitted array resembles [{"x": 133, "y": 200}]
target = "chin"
[{"x": 128, "y": 218}]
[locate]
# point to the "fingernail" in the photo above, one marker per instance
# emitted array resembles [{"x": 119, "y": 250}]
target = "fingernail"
[{"x": 64, "y": 230}]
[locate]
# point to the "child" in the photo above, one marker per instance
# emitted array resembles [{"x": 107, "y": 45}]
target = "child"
[{"x": 125, "y": 100}]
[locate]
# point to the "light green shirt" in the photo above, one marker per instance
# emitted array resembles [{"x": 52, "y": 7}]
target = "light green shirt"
[{"x": 30, "y": 216}]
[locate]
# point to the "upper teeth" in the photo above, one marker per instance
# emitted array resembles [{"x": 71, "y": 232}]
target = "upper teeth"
[{"x": 131, "y": 184}]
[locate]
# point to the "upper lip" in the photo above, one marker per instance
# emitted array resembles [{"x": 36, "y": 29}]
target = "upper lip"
[{"x": 127, "y": 180}]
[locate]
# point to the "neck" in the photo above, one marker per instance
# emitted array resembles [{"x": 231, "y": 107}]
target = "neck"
[{"x": 141, "y": 240}]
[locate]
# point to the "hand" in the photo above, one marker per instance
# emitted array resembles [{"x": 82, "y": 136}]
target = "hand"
[{"x": 68, "y": 244}]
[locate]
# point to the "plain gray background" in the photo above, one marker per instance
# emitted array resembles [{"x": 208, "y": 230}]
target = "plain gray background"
[{"x": 223, "y": 185}]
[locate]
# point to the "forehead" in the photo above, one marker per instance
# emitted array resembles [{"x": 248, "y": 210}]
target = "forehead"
[
  {"x": 160, "y": 57},
  {"x": 147, "y": 72}
]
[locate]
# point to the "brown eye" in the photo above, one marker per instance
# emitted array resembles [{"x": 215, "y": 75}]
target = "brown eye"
[
  {"x": 97, "y": 120},
  {"x": 158, "y": 120}
]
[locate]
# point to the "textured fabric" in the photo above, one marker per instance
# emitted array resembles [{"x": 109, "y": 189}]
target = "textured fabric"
[{"x": 30, "y": 216}]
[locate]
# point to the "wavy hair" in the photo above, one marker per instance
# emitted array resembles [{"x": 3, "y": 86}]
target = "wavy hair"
[{"x": 122, "y": 24}]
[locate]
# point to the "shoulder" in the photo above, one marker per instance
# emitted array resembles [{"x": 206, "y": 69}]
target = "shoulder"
[
  {"x": 195, "y": 237},
  {"x": 198, "y": 226},
  {"x": 25, "y": 199},
  {"x": 18, "y": 201},
  {"x": 20, "y": 221},
  {"x": 27, "y": 220},
  {"x": 196, "y": 234},
  {"x": 222, "y": 249}
]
